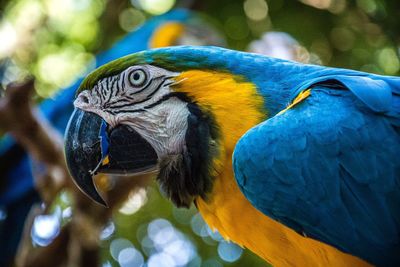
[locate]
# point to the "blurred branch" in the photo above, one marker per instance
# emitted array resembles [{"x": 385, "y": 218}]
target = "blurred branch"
[
  {"x": 19, "y": 117},
  {"x": 80, "y": 237}
]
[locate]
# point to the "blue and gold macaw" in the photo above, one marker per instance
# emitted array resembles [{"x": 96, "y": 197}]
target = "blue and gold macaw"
[
  {"x": 17, "y": 192},
  {"x": 299, "y": 163}
]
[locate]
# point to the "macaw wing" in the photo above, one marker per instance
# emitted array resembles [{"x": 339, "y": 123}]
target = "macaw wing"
[{"x": 329, "y": 168}]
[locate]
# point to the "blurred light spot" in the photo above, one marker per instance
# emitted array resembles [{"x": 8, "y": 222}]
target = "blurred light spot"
[
  {"x": 342, "y": 38},
  {"x": 212, "y": 263},
  {"x": 97, "y": 7},
  {"x": 59, "y": 9},
  {"x": 315, "y": 59},
  {"x": 57, "y": 173},
  {"x": 321, "y": 4},
  {"x": 161, "y": 232},
  {"x": 156, "y": 7},
  {"x": 279, "y": 45},
  {"x": 117, "y": 245},
  {"x": 198, "y": 225},
  {"x": 106, "y": 264},
  {"x": 3, "y": 214},
  {"x": 181, "y": 251},
  {"x": 195, "y": 262},
  {"x": 215, "y": 235},
  {"x": 108, "y": 230},
  {"x": 67, "y": 213},
  {"x": 80, "y": 4},
  {"x": 166, "y": 242},
  {"x": 198, "y": 32},
  {"x": 84, "y": 30},
  {"x": 229, "y": 252},
  {"x": 28, "y": 16},
  {"x": 388, "y": 60},
  {"x": 334, "y": 6},
  {"x": 8, "y": 37},
  {"x": 322, "y": 48},
  {"x": 374, "y": 32},
  {"x": 65, "y": 197},
  {"x": 130, "y": 257},
  {"x": 11, "y": 73},
  {"x": 161, "y": 260},
  {"x": 147, "y": 246},
  {"x": 236, "y": 27},
  {"x": 134, "y": 202},
  {"x": 52, "y": 68},
  {"x": 337, "y": 6},
  {"x": 60, "y": 68},
  {"x": 45, "y": 228},
  {"x": 259, "y": 27},
  {"x": 256, "y": 9},
  {"x": 368, "y": 6},
  {"x": 130, "y": 19}
]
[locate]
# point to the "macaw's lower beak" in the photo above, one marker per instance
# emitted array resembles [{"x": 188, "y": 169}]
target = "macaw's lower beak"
[{"x": 91, "y": 147}]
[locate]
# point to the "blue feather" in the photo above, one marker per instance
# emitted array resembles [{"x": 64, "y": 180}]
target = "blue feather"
[{"x": 344, "y": 189}]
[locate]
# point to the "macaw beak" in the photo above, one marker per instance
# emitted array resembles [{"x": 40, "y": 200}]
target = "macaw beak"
[{"x": 92, "y": 147}]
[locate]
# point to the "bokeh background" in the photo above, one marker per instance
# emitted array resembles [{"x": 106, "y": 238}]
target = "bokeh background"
[{"x": 56, "y": 41}]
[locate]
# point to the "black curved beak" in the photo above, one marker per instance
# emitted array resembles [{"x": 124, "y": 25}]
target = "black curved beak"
[{"x": 92, "y": 147}]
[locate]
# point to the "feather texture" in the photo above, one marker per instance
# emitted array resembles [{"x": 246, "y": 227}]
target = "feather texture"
[{"x": 329, "y": 168}]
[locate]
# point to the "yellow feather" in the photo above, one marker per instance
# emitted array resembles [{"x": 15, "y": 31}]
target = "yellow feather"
[
  {"x": 221, "y": 94},
  {"x": 166, "y": 35},
  {"x": 300, "y": 97},
  {"x": 237, "y": 107},
  {"x": 106, "y": 160}
]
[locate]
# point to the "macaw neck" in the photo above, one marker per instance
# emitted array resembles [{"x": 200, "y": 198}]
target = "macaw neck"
[{"x": 234, "y": 103}]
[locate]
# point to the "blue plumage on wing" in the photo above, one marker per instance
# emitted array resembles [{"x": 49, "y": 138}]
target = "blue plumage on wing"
[{"x": 339, "y": 189}]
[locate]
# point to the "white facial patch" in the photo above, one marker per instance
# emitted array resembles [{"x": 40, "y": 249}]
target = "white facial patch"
[
  {"x": 140, "y": 97},
  {"x": 163, "y": 126}
]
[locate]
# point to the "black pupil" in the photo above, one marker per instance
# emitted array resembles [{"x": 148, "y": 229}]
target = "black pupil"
[{"x": 136, "y": 76}]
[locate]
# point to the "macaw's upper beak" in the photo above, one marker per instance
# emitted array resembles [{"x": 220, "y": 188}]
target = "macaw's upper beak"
[{"x": 91, "y": 147}]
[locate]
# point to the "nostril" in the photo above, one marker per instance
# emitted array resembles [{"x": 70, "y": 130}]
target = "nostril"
[{"x": 84, "y": 99}]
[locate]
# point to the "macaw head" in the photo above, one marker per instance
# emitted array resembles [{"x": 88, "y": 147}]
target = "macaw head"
[{"x": 174, "y": 111}]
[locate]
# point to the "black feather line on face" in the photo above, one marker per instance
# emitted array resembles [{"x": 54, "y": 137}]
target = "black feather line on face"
[{"x": 184, "y": 176}]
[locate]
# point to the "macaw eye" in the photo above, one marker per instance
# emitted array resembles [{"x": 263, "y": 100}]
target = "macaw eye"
[{"x": 137, "y": 78}]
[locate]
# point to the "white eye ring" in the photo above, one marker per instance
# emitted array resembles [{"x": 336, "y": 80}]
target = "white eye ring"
[{"x": 137, "y": 78}]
